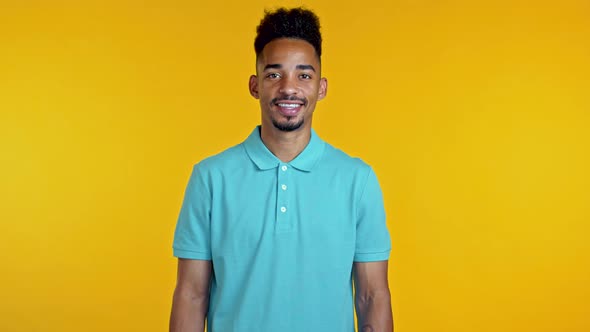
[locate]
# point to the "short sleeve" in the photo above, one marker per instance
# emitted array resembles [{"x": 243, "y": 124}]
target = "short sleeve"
[
  {"x": 192, "y": 234},
  {"x": 372, "y": 237}
]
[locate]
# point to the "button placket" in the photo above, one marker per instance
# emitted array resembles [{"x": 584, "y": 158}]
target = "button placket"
[{"x": 283, "y": 222}]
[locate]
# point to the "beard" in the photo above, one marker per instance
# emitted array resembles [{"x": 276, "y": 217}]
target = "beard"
[{"x": 287, "y": 126}]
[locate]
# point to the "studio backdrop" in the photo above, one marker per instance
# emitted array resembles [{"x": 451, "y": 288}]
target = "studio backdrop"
[{"x": 475, "y": 116}]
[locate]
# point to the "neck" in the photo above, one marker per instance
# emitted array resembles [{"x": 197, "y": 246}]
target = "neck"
[{"x": 285, "y": 145}]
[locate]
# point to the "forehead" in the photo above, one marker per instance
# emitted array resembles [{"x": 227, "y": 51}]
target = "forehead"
[{"x": 288, "y": 50}]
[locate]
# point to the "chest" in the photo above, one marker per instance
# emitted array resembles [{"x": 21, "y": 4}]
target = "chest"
[{"x": 276, "y": 207}]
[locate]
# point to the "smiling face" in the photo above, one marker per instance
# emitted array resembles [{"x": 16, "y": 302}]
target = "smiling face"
[{"x": 288, "y": 84}]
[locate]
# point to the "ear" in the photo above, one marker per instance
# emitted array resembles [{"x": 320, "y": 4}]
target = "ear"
[
  {"x": 253, "y": 86},
  {"x": 323, "y": 88}
]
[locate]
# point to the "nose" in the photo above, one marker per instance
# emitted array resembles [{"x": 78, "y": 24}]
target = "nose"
[{"x": 288, "y": 86}]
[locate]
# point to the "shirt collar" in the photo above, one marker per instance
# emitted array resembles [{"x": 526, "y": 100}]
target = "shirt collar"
[{"x": 264, "y": 159}]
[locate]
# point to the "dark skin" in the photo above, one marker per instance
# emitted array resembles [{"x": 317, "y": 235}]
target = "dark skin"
[
  {"x": 372, "y": 297},
  {"x": 288, "y": 71},
  {"x": 191, "y": 296},
  {"x": 288, "y": 85}
]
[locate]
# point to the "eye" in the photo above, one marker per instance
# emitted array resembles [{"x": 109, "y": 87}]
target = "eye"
[
  {"x": 273, "y": 75},
  {"x": 305, "y": 76}
]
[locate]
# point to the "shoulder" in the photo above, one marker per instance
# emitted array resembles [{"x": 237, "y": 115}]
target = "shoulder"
[
  {"x": 334, "y": 158},
  {"x": 349, "y": 174},
  {"x": 227, "y": 159}
]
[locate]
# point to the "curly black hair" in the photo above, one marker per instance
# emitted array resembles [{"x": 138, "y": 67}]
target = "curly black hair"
[{"x": 297, "y": 23}]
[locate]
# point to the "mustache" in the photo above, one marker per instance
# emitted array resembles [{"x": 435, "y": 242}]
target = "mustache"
[{"x": 289, "y": 98}]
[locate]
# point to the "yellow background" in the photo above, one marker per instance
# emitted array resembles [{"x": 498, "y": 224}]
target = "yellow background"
[{"x": 474, "y": 114}]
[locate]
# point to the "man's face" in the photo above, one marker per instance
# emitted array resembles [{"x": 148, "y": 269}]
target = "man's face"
[{"x": 288, "y": 84}]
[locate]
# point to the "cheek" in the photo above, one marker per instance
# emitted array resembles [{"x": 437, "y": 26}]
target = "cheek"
[
  {"x": 265, "y": 96},
  {"x": 267, "y": 89},
  {"x": 265, "y": 99},
  {"x": 313, "y": 87},
  {"x": 312, "y": 92}
]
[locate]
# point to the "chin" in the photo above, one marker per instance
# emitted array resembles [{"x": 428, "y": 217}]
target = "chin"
[{"x": 289, "y": 125}]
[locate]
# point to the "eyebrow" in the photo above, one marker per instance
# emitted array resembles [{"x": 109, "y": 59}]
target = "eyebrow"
[
  {"x": 305, "y": 67},
  {"x": 279, "y": 66},
  {"x": 273, "y": 66}
]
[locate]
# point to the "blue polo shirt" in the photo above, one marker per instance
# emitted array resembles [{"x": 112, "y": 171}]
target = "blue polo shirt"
[{"x": 282, "y": 237}]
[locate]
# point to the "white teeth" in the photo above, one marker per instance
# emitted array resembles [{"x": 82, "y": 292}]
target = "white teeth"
[{"x": 289, "y": 105}]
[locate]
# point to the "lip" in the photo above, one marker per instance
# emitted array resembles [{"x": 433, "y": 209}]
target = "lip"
[
  {"x": 288, "y": 101},
  {"x": 288, "y": 111}
]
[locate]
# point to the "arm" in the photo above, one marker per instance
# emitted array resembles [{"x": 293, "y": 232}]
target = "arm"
[
  {"x": 191, "y": 296},
  {"x": 372, "y": 298}
]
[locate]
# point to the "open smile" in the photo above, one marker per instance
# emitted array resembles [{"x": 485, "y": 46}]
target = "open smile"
[{"x": 289, "y": 107}]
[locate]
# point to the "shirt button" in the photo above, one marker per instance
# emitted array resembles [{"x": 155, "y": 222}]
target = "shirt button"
[
  {"x": 284, "y": 168},
  {"x": 283, "y": 209},
  {"x": 284, "y": 187}
]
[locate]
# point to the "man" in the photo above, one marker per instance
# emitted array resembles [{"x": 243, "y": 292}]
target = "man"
[{"x": 273, "y": 231}]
